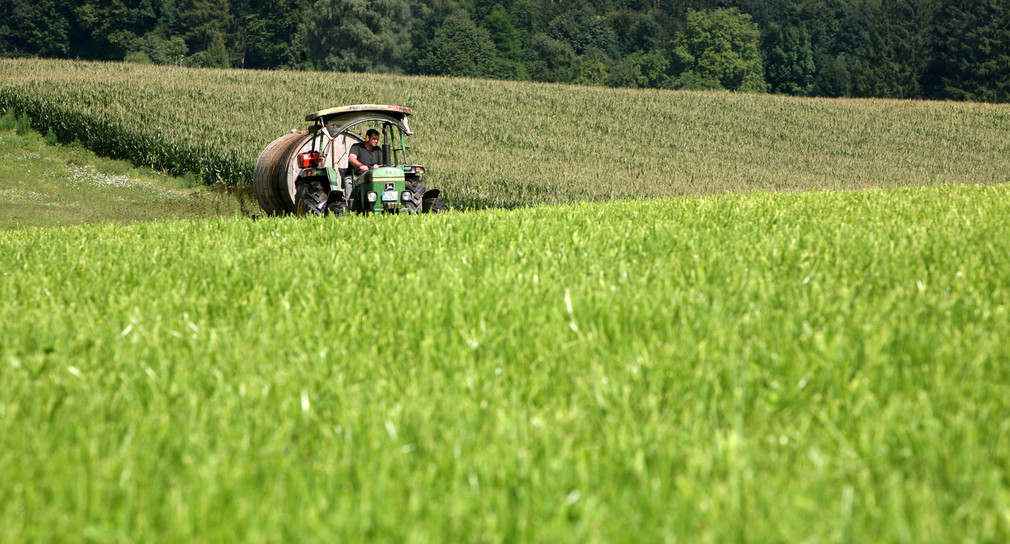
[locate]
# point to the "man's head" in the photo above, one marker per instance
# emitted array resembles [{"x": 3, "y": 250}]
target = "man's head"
[{"x": 372, "y": 137}]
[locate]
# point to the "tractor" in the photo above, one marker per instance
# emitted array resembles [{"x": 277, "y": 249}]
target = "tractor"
[{"x": 307, "y": 172}]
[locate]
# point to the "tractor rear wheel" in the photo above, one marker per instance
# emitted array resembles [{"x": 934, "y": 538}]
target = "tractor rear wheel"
[
  {"x": 313, "y": 195},
  {"x": 433, "y": 205}
]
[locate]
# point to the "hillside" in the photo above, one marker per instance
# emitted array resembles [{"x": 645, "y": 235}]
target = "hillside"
[{"x": 505, "y": 144}]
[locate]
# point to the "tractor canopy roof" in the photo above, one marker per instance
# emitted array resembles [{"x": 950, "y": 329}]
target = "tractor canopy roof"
[{"x": 344, "y": 117}]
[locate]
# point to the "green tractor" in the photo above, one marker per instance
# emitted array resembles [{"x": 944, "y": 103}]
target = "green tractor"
[{"x": 308, "y": 172}]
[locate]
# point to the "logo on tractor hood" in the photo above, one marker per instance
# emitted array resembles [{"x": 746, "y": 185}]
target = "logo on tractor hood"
[{"x": 390, "y": 186}]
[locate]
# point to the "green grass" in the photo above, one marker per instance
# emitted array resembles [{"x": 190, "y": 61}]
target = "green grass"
[
  {"x": 43, "y": 184},
  {"x": 800, "y": 367},
  {"x": 507, "y": 144}
]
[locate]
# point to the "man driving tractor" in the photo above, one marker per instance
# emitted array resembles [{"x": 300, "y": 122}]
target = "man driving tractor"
[{"x": 366, "y": 155}]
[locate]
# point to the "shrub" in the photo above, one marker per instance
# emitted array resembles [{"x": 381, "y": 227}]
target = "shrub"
[{"x": 23, "y": 125}]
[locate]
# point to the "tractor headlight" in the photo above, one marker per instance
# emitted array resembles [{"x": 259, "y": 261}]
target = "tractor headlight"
[
  {"x": 372, "y": 197},
  {"x": 405, "y": 195}
]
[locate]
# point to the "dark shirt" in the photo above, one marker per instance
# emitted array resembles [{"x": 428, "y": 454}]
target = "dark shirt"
[{"x": 366, "y": 157}]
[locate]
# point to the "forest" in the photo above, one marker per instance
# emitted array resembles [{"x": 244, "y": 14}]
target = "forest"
[{"x": 916, "y": 49}]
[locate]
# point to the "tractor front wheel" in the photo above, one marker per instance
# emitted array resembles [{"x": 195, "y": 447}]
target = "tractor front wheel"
[
  {"x": 337, "y": 206},
  {"x": 433, "y": 205},
  {"x": 416, "y": 189},
  {"x": 312, "y": 197}
]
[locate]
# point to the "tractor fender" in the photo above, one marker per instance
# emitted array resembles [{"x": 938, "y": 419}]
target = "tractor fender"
[{"x": 322, "y": 180}]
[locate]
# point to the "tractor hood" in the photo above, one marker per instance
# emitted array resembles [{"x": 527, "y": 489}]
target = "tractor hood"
[{"x": 340, "y": 119}]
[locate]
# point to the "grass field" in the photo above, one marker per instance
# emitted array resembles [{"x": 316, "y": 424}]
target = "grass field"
[
  {"x": 47, "y": 185},
  {"x": 801, "y": 367},
  {"x": 506, "y": 144}
]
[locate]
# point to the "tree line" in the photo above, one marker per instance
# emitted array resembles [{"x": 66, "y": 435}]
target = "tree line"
[{"x": 935, "y": 49}]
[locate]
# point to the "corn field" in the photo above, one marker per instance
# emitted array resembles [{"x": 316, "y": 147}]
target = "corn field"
[{"x": 506, "y": 144}]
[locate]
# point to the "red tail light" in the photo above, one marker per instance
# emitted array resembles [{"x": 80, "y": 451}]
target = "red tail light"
[{"x": 308, "y": 160}]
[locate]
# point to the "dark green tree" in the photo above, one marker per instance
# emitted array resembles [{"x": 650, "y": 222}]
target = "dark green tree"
[
  {"x": 592, "y": 70},
  {"x": 161, "y": 49},
  {"x": 547, "y": 59},
  {"x": 34, "y": 28},
  {"x": 641, "y": 70},
  {"x": 893, "y": 58},
  {"x": 426, "y": 18},
  {"x": 503, "y": 32},
  {"x": 204, "y": 24},
  {"x": 359, "y": 35},
  {"x": 972, "y": 59},
  {"x": 832, "y": 77},
  {"x": 636, "y": 31},
  {"x": 789, "y": 67},
  {"x": 693, "y": 81},
  {"x": 583, "y": 29},
  {"x": 108, "y": 28},
  {"x": 721, "y": 45},
  {"x": 271, "y": 33},
  {"x": 461, "y": 48},
  {"x": 508, "y": 41},
  {"x": 531, "y": 16},
  {"x": 161, "y": 43},
  {"x": 821, "y": 19}
]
